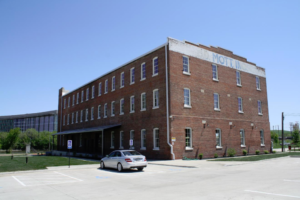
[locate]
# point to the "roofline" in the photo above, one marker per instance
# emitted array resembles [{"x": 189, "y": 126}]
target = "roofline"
[
  {"x": 118, "y": 67},
  {"x": 51, "y": 112}
]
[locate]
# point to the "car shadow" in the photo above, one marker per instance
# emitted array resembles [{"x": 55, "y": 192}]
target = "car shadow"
[{"x": 125, "y": 171}]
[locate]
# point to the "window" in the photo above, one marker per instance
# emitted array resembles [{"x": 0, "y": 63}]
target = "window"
[
  {"x": 262, "y": 138},
  {"x": 259, "y": 107},
  {"x": 215, "y": 72},
  {"x": 73, "y": 100},
  {"x": 186, "y": 67},
  {"x": 68, "y": 119},
  {"x": 80, "y": 139},
  {"x": 122, "y": 81},
  {"x": 106, "y": 86},
  {"x": 143, "y": 71},
  {"x": 113, "y": 83},
  {"x": 156, "y": 139},
  {"x": 81, "y": 115},
  {"x": 143, "y": 101},
  {"x": 132, "y": 138},
  {"x": 92, "y": 113},
  {"x": 132, "y": 76},
  {"x": 93, "y": 91},
  {"x": 188, "y": 139},
  {"x": 76, "y": 116},
  {"x": 72, "y": 118},
  {"x": 121, "y": 140},
  {"x": 64, "y": 103},
  {"x": 86, "y": 114},
  {"x": 238, "y": 78},
  {"x": 77, "y": 100},
  {"x": 155, "y": 99},
  {"x": 82, "y": 94},
  {"x": 132, "y": 104},
  {"x": 69, "y": 99},
  {"x": 143, "y": 139},
  {"x": 105, "y": 110},
  {"x": 216, "y": 101},
  {"x": 87, "y": 94},
  {"x": 64, "y": 120},
  {"x": 155, "y": 66},
  {"x": 240, "y": 102},
  {"x": 218, "y": 138},
  {"x": 121, "y": 106},
  {"x": 257, "y": 83},
  {"x": 112, "y": 108},
  {"x": 99, "y": 89},
  {"x": 242, "y": 133},
  {"x": 112, "y": 140},
  {"x": 187, "y": 98},
  {"x": 99, "y": 111}
]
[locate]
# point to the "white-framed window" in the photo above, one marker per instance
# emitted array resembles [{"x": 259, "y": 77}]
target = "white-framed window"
[
  {"x": 143, "y": 101},
  {"x": 64, "y": 103},
  {"x": 106, "y": 86},
  {"x": 121, "y": 106},
  {"x": 262, "y": 137},
  {"x": 155, "y": 99},
  {"x": 99, "y": 89},
  {"x": 121, "y": 140},
  {"x": 93, "y": 91},
  {"x": 68, "y": 119},
  {"x": 122, "y": 80},
  {"x": 187, "y": 97},
  {"x": 77, "y": 100},
  {"x": 86, "y": 114},
  {"x": 87, "y": 94},
  {"x": 218, "y": 138},
  {"x": 76, "y": 116},
  {"x": 155, "y": 139},
  {"x": 105, "y": 110},
  {"x": 82, "y": 95},
  {"x": 132, "y": 138},
  {"x": 113, "y": 83},
  {"x": 259, "y": 107},
  {"x": 188, "y": 139},
  {"x": 72, "y": 118},
  {"x": 155, "y": 66},
  {"x": 73, "y": 103},
  {"x": 69, "y": 99},
  {"x": 215, "y": 72},
  {"x": 99, "y": 111},
  {"x": 238, "y": 78},
  {"x": 216, "y": 102},
  {"x": 143, "y": 71},
  {"x": 80, "y": 139},
  {"x": 132, "y": 107},
  {"x": 92, "y": 113},
  {"x": 132, "y": 76},
  {"x": 143, "y": 139},
  {"x": 112, "y": 108},
  {"x": 112, "y": 140},
  {"x": 242, "y": 133},
  {"x": 81, "y": 115},
  {"x": 64, "y": 120},
  {"x": 240, "y": 103},
  {"x": 186, "y": 65},
  {"x": 257, "y": 83}
]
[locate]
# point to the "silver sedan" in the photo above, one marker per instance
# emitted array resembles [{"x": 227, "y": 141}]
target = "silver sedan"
[{"x": 124, "y": 159}]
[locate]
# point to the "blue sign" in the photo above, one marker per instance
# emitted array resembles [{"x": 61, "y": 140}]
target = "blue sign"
[{"x": 69, "y": 144}]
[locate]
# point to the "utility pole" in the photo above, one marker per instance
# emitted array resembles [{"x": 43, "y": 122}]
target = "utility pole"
[{"x": 282, "y": 137}]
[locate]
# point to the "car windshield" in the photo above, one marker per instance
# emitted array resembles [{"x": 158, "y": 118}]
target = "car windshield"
[{"x": 131, "y": 153}]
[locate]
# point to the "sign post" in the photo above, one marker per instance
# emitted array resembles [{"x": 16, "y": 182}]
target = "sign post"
[
  {"x": 131, "y": 143},
  {"x": 69, "y": 147}
]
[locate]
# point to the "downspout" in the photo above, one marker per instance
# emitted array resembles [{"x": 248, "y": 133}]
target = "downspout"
[{"x": 167, "y": 100}]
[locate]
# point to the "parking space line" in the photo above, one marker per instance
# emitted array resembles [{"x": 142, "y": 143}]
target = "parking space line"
[
  {"x": 68, "y": 176},
  {"x": 292, "y": 180},
  {"x": 19, "y": 181},
  {"x": 282, "y": 195}
]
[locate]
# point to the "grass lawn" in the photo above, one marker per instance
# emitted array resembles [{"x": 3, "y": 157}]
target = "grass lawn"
[
  {"x": 258, "y": 157},
  {"x": 37, "y": 162}
]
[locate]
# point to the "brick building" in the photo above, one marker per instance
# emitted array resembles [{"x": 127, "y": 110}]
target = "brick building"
[{"x": 180, "y": 99}]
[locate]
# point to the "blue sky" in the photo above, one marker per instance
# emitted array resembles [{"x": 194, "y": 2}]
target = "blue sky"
[{"x": 46, "y": 45}]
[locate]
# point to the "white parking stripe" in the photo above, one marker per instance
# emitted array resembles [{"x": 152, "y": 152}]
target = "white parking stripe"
[
  {"x": 19, "y": 181},
  {"x": 282, "y": 195},
  {"x": 68, "y": 176}
]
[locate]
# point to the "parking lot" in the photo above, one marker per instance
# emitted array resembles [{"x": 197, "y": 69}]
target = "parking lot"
[{"x": 268, "y": 179}]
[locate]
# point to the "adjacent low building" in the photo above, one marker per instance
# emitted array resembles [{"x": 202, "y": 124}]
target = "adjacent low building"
[{"x": 178, "y": 100}]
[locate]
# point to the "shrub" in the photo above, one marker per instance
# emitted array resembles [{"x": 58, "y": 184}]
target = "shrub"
[
  {"x": 274, "y": 151},
  {"x": 200, "y": 156},
  {"x": 231, "y": 152},
  {"x": 257, "y": 152},
  {"x": 216, "y": 155},
  {"x": 244, "y": 152},
  {"x": 266, "y": 151}
]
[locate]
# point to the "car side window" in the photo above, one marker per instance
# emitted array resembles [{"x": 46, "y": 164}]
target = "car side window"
[
  {"x": 112, "y": 154},
  {"x": 118, "y": 154}
]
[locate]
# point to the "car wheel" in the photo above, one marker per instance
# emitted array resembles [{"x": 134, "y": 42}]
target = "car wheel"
[
  {"x": 120, "y": 167},
  {"x": 140, "y": 168},
  {"x": 102, "y": 166}
]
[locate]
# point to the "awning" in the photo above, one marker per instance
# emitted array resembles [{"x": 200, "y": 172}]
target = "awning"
[{"x": 85, "y": 130}]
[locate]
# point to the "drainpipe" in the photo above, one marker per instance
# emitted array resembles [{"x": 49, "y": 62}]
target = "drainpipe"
[{"x": 167, "y": 99}]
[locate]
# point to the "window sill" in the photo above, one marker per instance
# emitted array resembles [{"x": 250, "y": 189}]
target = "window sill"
[
  {"x": 143, "y": 109},
  {"x": 241, "y": 112},
  {"x": 105, "y": 92},
  {"x": 154, "y": 75},
  {"x": 217, "y": 80},
  {"x": 112, "y": 90},
  {"x": 121, "y": 147},
  {"x": 143, "y": 148},
  {"x": 121, "y": 87},
  {"x": 131, "y": 111},
  {"x": 92, "y": 119},
  {"x": 260, "y": 114},
  {"x": 132, "y": 83},
  {"x": 99, "y": 118},
  {"x": 92, "y": 97},
  {"x": 218, "y": 147},
  {"x": 189, "y": 148},
  {"x": 243, "y": 146},
  {"x": 143, "y": 79},
  {"x": 186, "y": 73},
  {"x": 216, "y": 109},
  {"x": 258, "y": 89},
  {"x": 262, "y": 145},
  {"x": 99, "y": 95},
  {"x": 105, "y": 117},
  {"x": 155, "y": 107},
  {"x": 112, "y": 115},
  {"x": 86, "y": 120},
  {"x": 187, "y": 106},
  {"x": 121, "y": 113},
  {"x": 156, "y": 149},
  {"x": 238, "y": 85},
  {"x": 131, "y": 147},
  {"x": 112, "y": 147}
]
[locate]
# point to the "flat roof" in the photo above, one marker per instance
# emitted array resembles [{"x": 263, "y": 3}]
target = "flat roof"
[
  {"x": 51, "y": 112},
  {"x": 86, "y": 130}
]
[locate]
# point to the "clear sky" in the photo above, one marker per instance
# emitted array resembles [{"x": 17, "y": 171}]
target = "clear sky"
[{"x": 46, "y": 45}]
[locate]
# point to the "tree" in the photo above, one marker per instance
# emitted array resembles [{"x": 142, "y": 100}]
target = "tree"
[
  {"x": 11, "y": 139},
  {"x": 274, "y": 136},
  {"x": 295, "y": 136}
]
